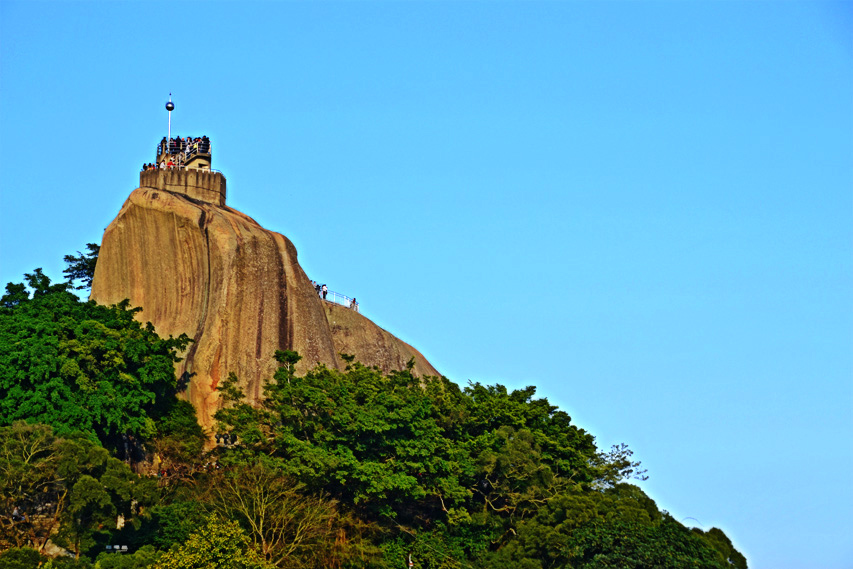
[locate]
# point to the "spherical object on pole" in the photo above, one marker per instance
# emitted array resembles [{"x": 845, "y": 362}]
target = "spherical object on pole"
[{"x": 170, "y": 106}]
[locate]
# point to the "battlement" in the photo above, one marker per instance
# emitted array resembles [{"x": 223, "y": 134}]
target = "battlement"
[{"x": 203, "y": 185}]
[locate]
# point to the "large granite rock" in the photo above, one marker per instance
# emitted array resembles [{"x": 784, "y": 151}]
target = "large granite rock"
[{"x": 235, "y": 288}]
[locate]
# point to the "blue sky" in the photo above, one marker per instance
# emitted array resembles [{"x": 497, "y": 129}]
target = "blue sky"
[{"x": 645, "y": 209}]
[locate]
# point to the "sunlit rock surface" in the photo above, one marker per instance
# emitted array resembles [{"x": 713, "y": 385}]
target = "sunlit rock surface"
[{"x": 236, "y": 289}]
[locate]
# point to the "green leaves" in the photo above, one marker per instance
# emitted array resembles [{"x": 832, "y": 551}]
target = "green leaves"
[
  {"x": 726, "y": 553},
  {"x": 65, "y": 489},
  {"x": 453, "y": 475},
  {"x": 416, "y": 448},
  {"x": 217, "y": 544},
  {"x": 611, "y": 529},
  {"x": 20, "y": 558},
  {"x": 79, "y": 366},
  {"x": 82, "y": 267}
]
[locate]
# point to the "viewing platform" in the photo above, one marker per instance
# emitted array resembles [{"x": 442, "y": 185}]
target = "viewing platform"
[
  {"x": 190, "y": 153},
  {"x": 182, "y": 165}
]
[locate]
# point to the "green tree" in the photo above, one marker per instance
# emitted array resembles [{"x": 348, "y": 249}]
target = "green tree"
[
  {"x": 621, "y": 544},
  {"x": 216, "y": 545},
  {"x": 726, "y": 552},
  {"x": 619, "y": 528},
  {"x": 175, "y": 521},
  {"x": 82, "y": 267},
  {"x": 37, "y": 471},
  {"x": 68, "y": 563},
  {"x": 82, "y": 367},
  {"x": 179, "y": 441},
  {"x": 89, "y": 510},
  {"x": 66, "y": 489},
  {"x": 20, "y": 558},
  {"x": 362, "y": 437},
  {"x": 411, "y": 453}
]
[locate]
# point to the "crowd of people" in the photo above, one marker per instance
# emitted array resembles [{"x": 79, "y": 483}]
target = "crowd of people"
[
  {"x": 187, "y": 146},
  {"x": 323, "y": 292},
  {"x": 174, "y": 152},
  {"x": 163, "y": 165}
]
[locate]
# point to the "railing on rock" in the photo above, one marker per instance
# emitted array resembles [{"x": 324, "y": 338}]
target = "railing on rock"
[
  {"x": 182, "y": 146},
  {"x": 182, "y": 167},
  {"x": 342, "y": 299},
  {"x": 177, "y": 152}
]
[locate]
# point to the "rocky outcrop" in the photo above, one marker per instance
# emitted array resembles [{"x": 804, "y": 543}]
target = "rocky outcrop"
[
  {"x": 354, "y": 334},
  {"x": 235, "y": 288}
]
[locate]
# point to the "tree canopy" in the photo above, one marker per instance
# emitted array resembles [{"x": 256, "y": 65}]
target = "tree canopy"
[
  {"x": 79, "y": 366},
  {"x": 217, "y": 544},
  {"x": 474, "y": 477},
  {"x": 65, "y": 489}
]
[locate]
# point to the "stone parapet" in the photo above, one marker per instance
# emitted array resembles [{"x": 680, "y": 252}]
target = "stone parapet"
[{"x": 202, "y": 185}]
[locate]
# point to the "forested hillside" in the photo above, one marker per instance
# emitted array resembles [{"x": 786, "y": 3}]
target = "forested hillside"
[{"x": 103, "y": 465}]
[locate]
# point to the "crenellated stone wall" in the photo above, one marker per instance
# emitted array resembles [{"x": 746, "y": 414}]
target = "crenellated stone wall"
[{"x": 202, "y": 185}]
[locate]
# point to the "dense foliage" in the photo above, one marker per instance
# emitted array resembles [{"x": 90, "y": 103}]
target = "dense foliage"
[
  {"x": 82, "y": 267},
  {"x": 352, "y": 468},
  {"x": 473, "y": 477},
  {"x": 69, "y": 490},
  {"x": 81, "y": 367}
]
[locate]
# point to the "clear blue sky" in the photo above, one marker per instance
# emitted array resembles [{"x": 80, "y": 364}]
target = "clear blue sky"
[{"x": 643, "y": 208}]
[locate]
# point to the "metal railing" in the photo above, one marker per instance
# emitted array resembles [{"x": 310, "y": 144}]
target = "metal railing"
[
  {"x": 342, "y": 299},
  {"x": 186, "y": 148},
  {"x": 183, "y": 167},
  {"x": 182, "y": 151}
]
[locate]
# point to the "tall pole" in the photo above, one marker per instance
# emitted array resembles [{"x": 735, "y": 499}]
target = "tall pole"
[{"x": 170, "y": 106}]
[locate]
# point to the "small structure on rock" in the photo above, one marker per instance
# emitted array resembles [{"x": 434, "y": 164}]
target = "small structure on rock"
[{"x": 184, "y": 153}]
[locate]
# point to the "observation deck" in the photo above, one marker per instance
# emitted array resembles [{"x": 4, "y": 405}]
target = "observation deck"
[
  {"x": 190, "y": 153},
  {"x": 182, "y": 165}
]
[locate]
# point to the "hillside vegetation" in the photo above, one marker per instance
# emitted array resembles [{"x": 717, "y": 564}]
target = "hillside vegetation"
[{"x": 349, "y": 468}]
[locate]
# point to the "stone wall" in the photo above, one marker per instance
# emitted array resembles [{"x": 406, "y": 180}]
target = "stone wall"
[{"x": 202, "y": 185}]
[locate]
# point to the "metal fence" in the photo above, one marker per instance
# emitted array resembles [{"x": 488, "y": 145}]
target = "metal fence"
[{"x": 342, "y": 299}]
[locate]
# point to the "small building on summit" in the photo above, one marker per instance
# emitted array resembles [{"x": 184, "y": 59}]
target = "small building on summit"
[
  {"x": 188, "y": 153},
  {"x": 183, "y": 166}
]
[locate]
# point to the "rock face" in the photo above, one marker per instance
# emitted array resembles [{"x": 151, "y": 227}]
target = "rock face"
[
  {"x": 354, "y": 334},
  {"x": 201, "y": 268}
]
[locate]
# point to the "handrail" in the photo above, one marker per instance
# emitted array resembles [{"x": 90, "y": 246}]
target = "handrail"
[
  {"x": 182, "y": 167},
  {"x": 177, "y": 146},
  {"x": 342, "y": 299}
]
